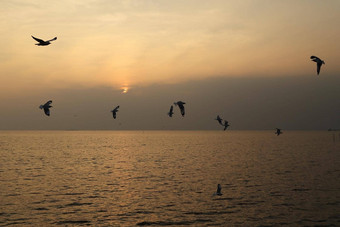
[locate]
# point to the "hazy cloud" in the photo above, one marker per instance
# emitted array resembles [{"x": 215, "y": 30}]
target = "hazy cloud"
[{"x": 305, "y": 103}]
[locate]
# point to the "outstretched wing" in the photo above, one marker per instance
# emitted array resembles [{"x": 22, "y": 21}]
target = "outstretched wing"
[
  {"x": 171, "y": 111},
  {"x": 47, "y": 111},
  {"x": 48, "y": 103},
  {"x": 114, "y": 114},
  {"x": 182, "y": 110},
  {"x": 116, "y": 109},
  {"x": 318, "y": 65},
  {"x": 55, "y": 38},
  {"x": 38, "y": 40}
]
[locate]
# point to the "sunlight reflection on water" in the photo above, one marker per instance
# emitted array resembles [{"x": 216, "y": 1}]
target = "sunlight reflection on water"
[{"x": 106, "y": 178}]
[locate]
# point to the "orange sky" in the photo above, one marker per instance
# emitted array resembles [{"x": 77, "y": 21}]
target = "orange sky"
[
  {"x": 209, "y": 54},
  {"x": 138, "y": 42}
]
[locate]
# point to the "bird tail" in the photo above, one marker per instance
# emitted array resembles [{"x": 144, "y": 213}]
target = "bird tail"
[{"x": 41, "y": 106}]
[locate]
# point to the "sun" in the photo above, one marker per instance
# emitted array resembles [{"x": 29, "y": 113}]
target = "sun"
[{"x": 124, "y": 90}]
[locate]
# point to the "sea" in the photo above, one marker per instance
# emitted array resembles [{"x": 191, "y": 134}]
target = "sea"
[{"x": 168, "y": 178}]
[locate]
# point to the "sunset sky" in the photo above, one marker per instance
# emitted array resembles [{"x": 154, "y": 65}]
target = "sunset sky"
[{"x": 245, "y": 60}]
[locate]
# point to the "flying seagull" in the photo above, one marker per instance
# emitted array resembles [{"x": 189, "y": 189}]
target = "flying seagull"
[
  {"x": 46, "y": 107},
  {"x": 218, "y": 191},
  {"x": 319, "y": 63},
  {"x": 114, "y": 112},
  {"x": 226, "y": 125},
  {"x": 278, "y": 131},
  {"x": 171, "y": 112},
  {"x": 219, "y": 119},
  {"x": 180, "y": 104},
  {"x": 42, "y": 42}
]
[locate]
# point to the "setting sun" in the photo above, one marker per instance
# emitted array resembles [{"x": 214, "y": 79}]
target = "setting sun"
[{"x": 124, "y": 90}]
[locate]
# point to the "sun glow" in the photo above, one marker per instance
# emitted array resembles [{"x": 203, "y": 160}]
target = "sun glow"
[{"x": 124, "y": 90}]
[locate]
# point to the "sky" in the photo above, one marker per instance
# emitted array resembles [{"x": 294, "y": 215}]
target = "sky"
[{"x": 247, "y": 61}]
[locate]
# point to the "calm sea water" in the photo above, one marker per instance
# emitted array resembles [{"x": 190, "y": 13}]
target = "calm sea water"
[{"x": 103, "y": 178}]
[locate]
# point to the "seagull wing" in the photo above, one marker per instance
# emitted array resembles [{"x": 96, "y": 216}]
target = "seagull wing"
[
  {"x": 47, "y": 111},
  {"x": 116, "y": 109},
  {"x": 318, "y": 65},
  {"x": 38, "y": 40},
  {"x": 114, "y": 114},
  {"x": 55, "y": 38},
  {"x": 182, "y": 110},
  {"x": 171, "y": 112},
  {"x": 48, "y": 103}
]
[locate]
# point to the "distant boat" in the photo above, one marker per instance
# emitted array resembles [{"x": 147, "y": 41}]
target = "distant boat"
[{"x": 42, "y": 42}]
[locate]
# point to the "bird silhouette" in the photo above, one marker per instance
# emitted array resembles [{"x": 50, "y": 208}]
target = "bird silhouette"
[
  {"x": 319, "y": 63},
  {"x": 180, "y": 104},
  {"x": 42, "y": 42},
  {"x": 114, "y": 112},
  {"x": 171, "y": 112},
  {"x": 226, "y": 125},
  {"x": 46, "y": 107},
  {"x": 278, "y": 131},
  {"x": 218, "y": 191},
  {"x": 219, "y": 119}
]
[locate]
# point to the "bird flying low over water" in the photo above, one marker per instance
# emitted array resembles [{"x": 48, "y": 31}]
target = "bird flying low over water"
[
  {"x": 219, "y": 119},
  {"x": 114, "y": 112},
  {"x": 171, "y": 111},
  {"x": 180, "y": 104},
  {"x": 42, "y": 42},
  {"x": 226, "y": 125},
  {"x": 319, "y": 63},
  {"x": 278, "y": 131},
  {"x": 218, "y": 191},
  {"x": 46, "y": 107}
]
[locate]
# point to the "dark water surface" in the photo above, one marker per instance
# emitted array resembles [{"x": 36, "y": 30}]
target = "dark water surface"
[{"x": 103, "y": 178}]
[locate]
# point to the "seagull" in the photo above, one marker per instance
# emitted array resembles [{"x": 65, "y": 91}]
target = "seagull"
[
  {"x": 114, "y": 112},
  {"x": 278, "y": 131},
  {"x": 180, "y": 104},
  {"x": 46, "y": 107},
  {"x": 318, "y": 61},
  {"x": 219, "y": 119},
  {"x": 42, "y": 42},
  {"x": 218, "y": 191},
  {"x": 171, "y": 112},
  {"x": 226, "y": 125}
]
